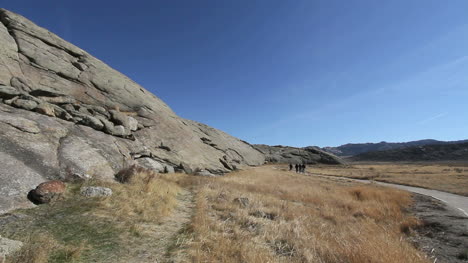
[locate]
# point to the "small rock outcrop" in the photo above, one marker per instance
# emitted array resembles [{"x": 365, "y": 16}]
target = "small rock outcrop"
[
  {"x": 8, "y": 247},
  {"x": 95, "y": 191},
  {"x": 204, "y": 173},
  {"x": 306, "y": 155},
  {"x": 47, "y": 192}
]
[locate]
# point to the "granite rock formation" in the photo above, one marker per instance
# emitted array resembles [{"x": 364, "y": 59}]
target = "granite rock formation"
[
  {"x": 64, "y": 112},
  {"x": 293, "y": 155}
]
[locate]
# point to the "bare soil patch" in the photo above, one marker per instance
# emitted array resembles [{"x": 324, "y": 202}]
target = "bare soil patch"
[{"x": 443, "y": 233}]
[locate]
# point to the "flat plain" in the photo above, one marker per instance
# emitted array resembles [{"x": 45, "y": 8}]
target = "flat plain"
[{"x": 448, "y": 177}]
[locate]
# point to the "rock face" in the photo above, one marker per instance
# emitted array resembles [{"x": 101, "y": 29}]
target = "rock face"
[
  {"x": 62, "y": 112},
  {"x": 307, "y": 155}
]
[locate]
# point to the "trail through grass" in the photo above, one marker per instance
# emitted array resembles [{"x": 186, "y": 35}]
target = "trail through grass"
[{"x": 262, "y": 214}]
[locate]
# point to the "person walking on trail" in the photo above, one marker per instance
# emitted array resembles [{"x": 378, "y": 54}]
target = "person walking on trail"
[
  {"x": 290, "y": 166},
  {"x": 297, "y": 168},
  {"x": 303, "y": 168}
]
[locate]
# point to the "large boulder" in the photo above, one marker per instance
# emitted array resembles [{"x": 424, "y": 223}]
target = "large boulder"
[
  {"x": 47, "y": 192},
  {"x": 95, "y": 191},
  {"x": 151, "y": 164},
  {"x": 89, "y": 118}
]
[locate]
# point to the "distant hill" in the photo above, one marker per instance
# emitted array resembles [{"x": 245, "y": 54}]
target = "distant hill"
[
  {"x": 432, "y": 152},
  {"x": 287, "y": 154},
  {"x": 352, "y": 149}
]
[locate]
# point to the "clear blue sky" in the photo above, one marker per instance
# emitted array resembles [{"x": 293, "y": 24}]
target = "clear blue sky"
[{"x": 291, "y": 72}]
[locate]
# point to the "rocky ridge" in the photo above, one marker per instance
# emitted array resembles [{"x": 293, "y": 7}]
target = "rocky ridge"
[
  {"x": 293, "y": 155},
  {"x": 352, "y": 149},
  {"x": 64, "y": 112},
  {"x": 432, "y": 152}
]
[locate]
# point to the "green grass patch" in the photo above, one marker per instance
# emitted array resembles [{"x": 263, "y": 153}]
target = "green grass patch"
[
  {"x": 71, "y": 223},
  {"x": 102, "y": 229}
]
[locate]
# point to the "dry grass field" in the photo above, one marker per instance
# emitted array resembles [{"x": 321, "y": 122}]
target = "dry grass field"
[
  {"x": 268, "y": 215},
  {"x": 451, "y": 178},
  {"x": 262, "y": 214}
]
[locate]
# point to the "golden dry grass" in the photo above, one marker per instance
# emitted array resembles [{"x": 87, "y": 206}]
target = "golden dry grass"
[
  {"x": 262, "y": 214},
  {"x": 444, "y": 177},
  {"x": 146, "y": 197},
  {"x": 268, "y": 215},
  {"x": 41, "y": 247}
]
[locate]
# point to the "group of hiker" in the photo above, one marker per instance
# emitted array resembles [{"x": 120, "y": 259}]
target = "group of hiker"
[{"x": 300, "y": 168}]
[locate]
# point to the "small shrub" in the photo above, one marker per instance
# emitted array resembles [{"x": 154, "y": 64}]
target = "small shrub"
[
  {"x": 357, "y": 194},
  {"x": 126, "y": 174},
  {"x": 136, "y": 230},
  {"x": 69, "y": 253},
  {"x": 283, "y": 248},
  {"x": 409, "y": 224}
]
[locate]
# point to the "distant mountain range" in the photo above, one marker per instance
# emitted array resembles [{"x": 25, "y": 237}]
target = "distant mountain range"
[
  {"x": 430, "y": 152},
  {"x": 353, "y": 149}
]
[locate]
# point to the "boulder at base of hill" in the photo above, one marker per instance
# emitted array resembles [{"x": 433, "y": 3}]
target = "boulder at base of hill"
[{"x": 47, "y": 192}]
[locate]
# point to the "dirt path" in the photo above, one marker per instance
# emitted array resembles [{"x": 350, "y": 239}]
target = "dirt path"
[
  {"x": 167, "y": 234},
  {"x": 458, "y": 202}
]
